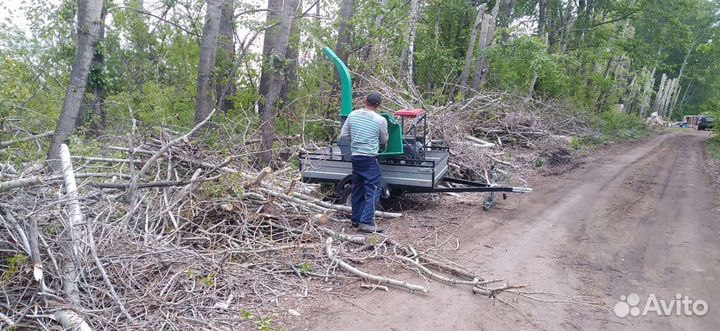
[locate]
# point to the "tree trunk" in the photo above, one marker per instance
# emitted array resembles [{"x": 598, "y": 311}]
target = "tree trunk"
[
  {"x": 658, "y": 96},
  {"x": 344, "y": 41},
  {"x": 507, "y": 9},
  {"x": 292, "y": 55},
  {"x": 568, "y": 28},
  {"x": 531, "y": 89},
  {"x": 414, "y": 14},
  {"x": 542, "y": 18},
  {"x": 649, "y": 83},
  {"x": 208, "y": 48},
  {"x": 89, "y": 25},
  {"x": 274, "y": 48},
  {"x": 674, "y": 97},
  {"x": 225, "y": 86},
  {"x": 669, "y": 95},
  {"x": 630, "y": 95},
  {"x": 486, "y": 35},
  {"x": 682, "y": 101},
  {"x": 552, "y": 26},
  {"x": 369, "y": 53},
  {"x": 471, "y": 46},
  {"x": 430, "y": 84},
  {"x": 95, "y": 107}
]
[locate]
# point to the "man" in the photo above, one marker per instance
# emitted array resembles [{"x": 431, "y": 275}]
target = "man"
[{"x": 367, "y": 131}]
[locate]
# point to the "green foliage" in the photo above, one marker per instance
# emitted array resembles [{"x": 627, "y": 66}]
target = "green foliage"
[
  {"x": 230, "y": 186},
  {"x": 305, "y": 268},
  {"x": 587, "y": 57},
  {"x": 515, "y": 62},
  {"x": 714, "y": 146},
  {"x": 261, "y": 324},
  {"x": 246, "y": 314},
  {"x": 265, "y": 324},
  {"x": 14, "y": 265},
  {"x": 614, "y": 126}
]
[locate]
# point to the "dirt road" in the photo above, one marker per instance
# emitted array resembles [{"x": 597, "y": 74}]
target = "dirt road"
[{"x": 640, "y": 220}]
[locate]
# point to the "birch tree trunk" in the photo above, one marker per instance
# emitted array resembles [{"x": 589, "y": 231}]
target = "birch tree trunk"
[
  {"x": 630, "y": 95},
  {"x": 208, "y": 48},
  {"x": 271, "y": 77},
  {"x": 568, "y": 28},
  {"x": 658, "y": 96},
  {"x": 73, "y": 249},
  {"x": 668, "y": 96},
  {"x": 682, "y": 101},
  {"x": 414, "y": 14},
  {"x": 471, "y": 46},
  {"x": 645, "y": 100},
  {"x": 89, "y": 25},
  {"x": 69, "y": 319},
  {"x": 675, "y": 96},
  {"x": 292, "y": 56},
  {"x": 95, "y": 106}
]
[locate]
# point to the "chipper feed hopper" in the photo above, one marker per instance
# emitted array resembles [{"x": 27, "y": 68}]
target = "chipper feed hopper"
[{"x": 409, "y": 162}]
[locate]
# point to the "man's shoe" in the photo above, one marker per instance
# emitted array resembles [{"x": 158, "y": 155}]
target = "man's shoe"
[
  {"x": 354, "y": 224},
  {"x": 369, "y": 228}
]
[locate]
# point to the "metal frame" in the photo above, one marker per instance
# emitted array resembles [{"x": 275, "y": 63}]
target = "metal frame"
[{"x": 460, "y": 185}]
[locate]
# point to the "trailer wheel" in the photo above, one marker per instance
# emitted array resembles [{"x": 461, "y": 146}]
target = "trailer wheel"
[
  {"x": 345, "y": 197},
  {"x": 489, "y": 202}
]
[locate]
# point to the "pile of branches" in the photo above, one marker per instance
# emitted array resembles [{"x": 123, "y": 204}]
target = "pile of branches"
[
  {"x": 493, "y": 136},
  {"x": 163, "y": 233},
  {"x": 507, "y": 135}
]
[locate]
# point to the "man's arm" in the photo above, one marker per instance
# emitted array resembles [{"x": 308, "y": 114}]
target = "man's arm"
[
  {"x": 345, "y": 131},
  {"x": 383, "y": 130}
]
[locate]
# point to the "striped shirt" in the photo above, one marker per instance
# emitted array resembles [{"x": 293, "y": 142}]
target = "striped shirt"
[{"x": 367, "y": 130}]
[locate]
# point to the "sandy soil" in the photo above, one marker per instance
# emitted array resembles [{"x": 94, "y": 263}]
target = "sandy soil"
[{"x": 641, "y": 218}]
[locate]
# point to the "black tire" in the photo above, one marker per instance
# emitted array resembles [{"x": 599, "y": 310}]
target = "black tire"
[
  {"x": 396, "y": 192},
  {"x": 345, "y": 197}
]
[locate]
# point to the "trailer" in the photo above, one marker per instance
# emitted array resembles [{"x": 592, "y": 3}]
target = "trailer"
[{"x": 410, "y": 162}]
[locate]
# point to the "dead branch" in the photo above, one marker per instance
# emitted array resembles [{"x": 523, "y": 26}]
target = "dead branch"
[
  {"x": 258, "y": 179},
  {"x": 70, "y": 273},
  {"x": 436, "y": 276},
  {"x": 70, "y": 320},
  {"x": 5, "y": 144},
  {"x": 172, "y": 143},
  {"x": 370, "y": 277}
]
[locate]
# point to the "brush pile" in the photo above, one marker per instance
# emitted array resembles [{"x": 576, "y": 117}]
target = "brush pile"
[
  {"x": 498, "y": 137},
  {"x": 161, "y": 232}
]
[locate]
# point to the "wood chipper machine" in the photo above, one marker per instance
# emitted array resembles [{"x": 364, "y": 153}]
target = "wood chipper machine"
[{"x": 408, "y": 162}]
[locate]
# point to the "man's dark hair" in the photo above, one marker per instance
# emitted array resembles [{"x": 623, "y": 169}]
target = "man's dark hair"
[{"x": 374, "y": 99}]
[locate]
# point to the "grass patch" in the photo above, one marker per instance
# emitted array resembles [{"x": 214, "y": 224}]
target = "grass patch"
[
  {"x": 612, "y": 127},
  {"x": 714, "y": 146}
]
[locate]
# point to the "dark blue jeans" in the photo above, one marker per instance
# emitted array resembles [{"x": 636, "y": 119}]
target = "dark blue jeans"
[{"x": 366, "y": 184}]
